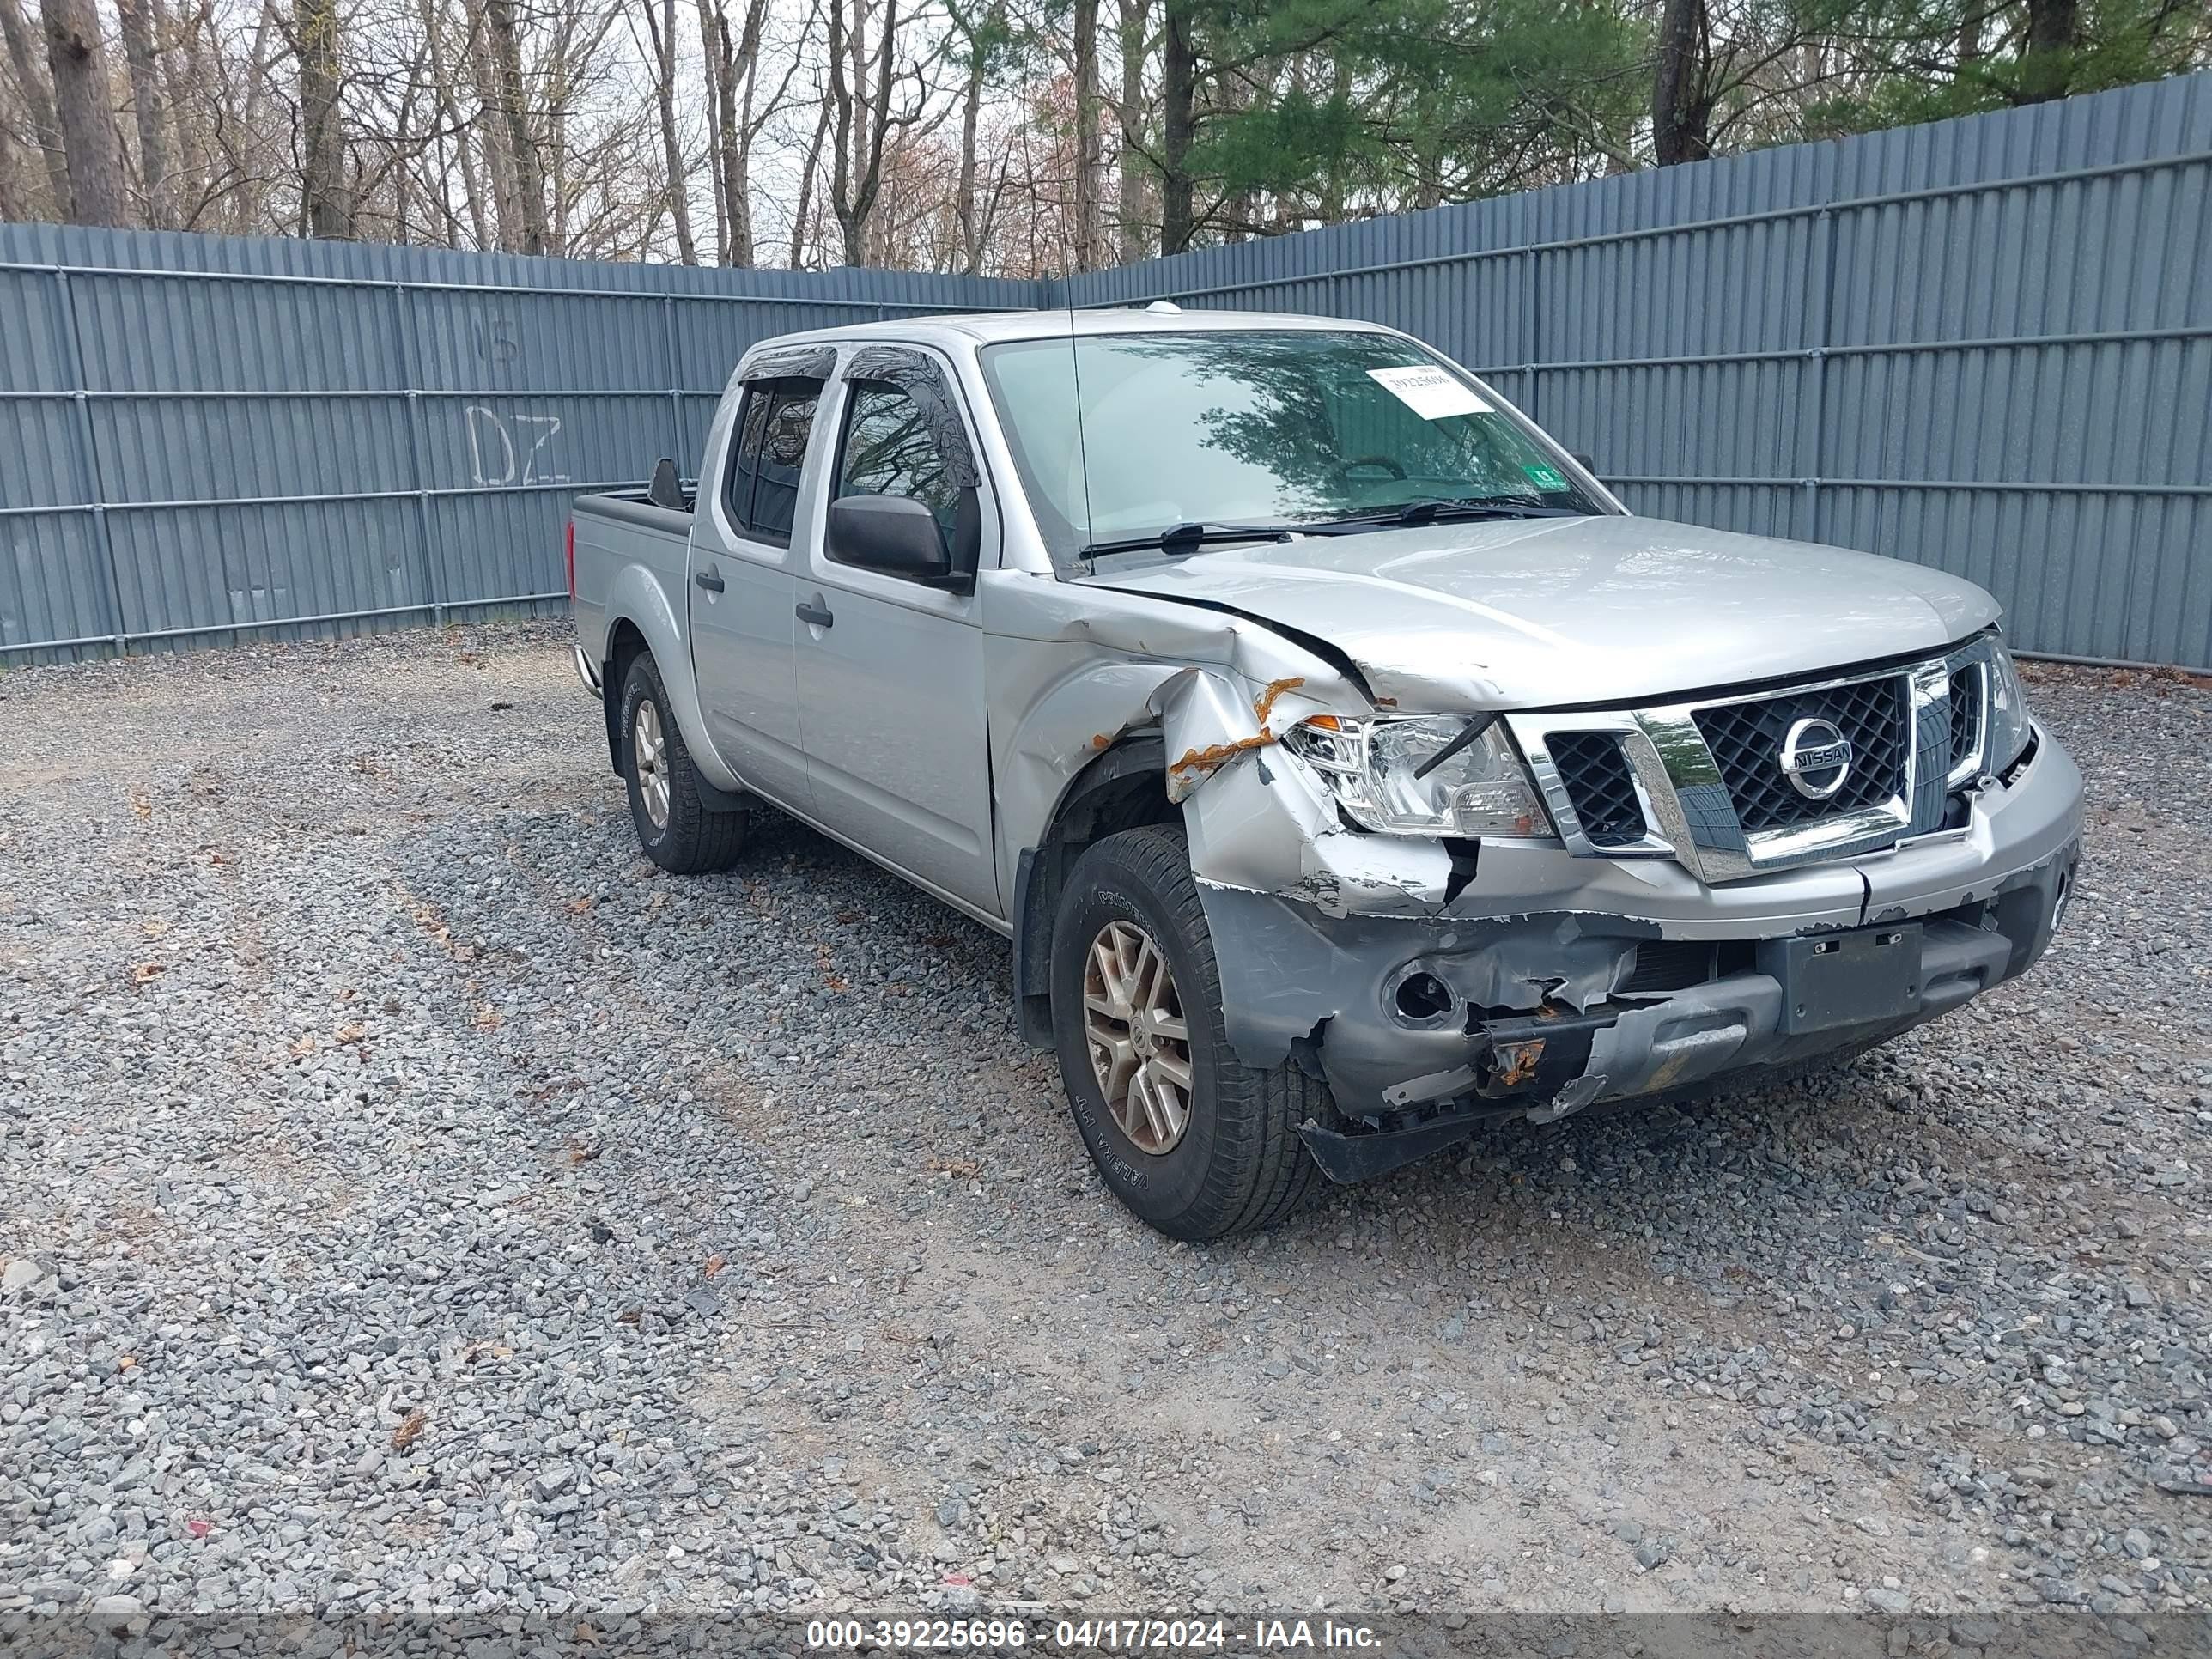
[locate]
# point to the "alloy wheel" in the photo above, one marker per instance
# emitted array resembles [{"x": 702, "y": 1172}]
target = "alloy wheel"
[
  {"x": 649, "y": 745},
  {"x": 1139, "y": 1043}
]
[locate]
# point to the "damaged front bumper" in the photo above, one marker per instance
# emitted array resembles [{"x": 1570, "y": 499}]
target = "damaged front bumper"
[{"x": 1513, "y": 979}]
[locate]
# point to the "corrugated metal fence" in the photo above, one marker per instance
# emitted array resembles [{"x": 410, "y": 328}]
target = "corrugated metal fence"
[
  {"x": 208, "y": 439},
  {"x": 1985, "y": 345}
]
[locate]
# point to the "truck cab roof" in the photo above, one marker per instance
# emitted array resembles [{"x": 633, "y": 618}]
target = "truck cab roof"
[{"x": 981, "y": 328}]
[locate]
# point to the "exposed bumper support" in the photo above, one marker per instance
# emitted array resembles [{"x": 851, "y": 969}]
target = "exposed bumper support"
[
  {"x": 587, "y": 671},
  {"x": 1322, "y": 991}
]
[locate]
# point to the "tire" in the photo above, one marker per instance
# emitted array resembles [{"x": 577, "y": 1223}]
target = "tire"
[
  {"x": 689, "y": 838},
  {"x": 1237, "y": 1165}
]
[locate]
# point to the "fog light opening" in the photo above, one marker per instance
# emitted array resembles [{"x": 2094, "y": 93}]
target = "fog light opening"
[{"x": 1421, "y": 998}]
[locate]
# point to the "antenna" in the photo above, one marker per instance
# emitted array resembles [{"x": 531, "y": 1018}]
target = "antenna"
[{"x": 1082, "y": 448}]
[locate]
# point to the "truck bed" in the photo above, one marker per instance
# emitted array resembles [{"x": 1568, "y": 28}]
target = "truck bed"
[{"x": 620, "y": 532}]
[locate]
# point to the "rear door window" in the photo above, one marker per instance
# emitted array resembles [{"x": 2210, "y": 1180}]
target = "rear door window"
[{"x": 773, "y": 426}]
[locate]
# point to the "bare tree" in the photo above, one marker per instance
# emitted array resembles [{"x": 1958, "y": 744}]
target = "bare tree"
[
  {"x": 325, "y": 209},
  {"x": 802, "y": 218},
  {"x": 23, "y": 57},
  {"x": 137, "y": 30},
  {"x": 863, "y": 121},
  {"x": 738, "y": 113},
  {"x": 84, "y": 104},
  {"x": 9, "y": 208},
  {"x": 983, "y": 38},
  {"x": 662, "y": 29},
  {"x": 494, "y": 135},
  {"x": 515, "y": 115},
  {"x": 190, "y": 84},
  {"x": 438, "y": 41}
]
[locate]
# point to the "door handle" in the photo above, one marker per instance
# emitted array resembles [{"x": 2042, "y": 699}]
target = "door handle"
[
  {"x": 815, "y": 616},
  {"x": 711, "y": 579}
]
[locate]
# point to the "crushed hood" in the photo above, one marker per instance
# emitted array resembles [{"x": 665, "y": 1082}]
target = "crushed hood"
[{"x": 1527, "y": 613}]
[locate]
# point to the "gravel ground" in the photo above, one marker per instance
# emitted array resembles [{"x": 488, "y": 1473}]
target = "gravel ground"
[{"x": 410, "y": 1200}]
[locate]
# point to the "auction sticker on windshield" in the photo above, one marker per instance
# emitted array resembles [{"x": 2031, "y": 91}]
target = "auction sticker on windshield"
[{"x": 1430, "y": 392}]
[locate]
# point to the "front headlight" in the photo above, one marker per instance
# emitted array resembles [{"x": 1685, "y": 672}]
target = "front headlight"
[
  {"x": 1479, "y": 788},
  {"x": 2008, "y": 725}
]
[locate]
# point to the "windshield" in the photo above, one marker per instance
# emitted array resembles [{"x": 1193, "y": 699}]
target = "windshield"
[{"x": 1258, "y": 427}]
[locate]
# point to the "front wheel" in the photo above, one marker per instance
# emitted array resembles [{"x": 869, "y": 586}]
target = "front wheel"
[
  {"x": 1195, "y": 1143},
  {"x": 678, "y": 831}
]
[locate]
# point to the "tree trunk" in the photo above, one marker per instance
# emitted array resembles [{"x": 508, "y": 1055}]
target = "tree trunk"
[
  {"x": 183, "y": 72},
  {"x": 326, "y": 210},
  {"x": 841, "y": 99},
  {"x": 31, "y": 78},
  {"x": 856, "y": 46},
  {"x": 1136, "y": 16},
  {"x": 242, "y": 206},
  {"x": 2054, "y": 31},
  {"x": 806, "y": 177},
  {"x": 737, "y": 137},
  {"x": 1970, "y": 38},
  {"x": 491, "y": 132},
  {"x": 856, "y": 170},
  {"x": 137, "y": 30},
  {"x": 433, "y": 13},
  {"x": 1231, "y": 96},
  {"x": 84, "y": 105},
  {"x": 529, "y": 178},
  {"x": 1178, "y": 88},
  {"x": 713, "y": 56},
  {"x": 964, "y": 202},
  {"x": 1089, "y": 162},
  {"x": 1681, "y": 108},
  {"x": 1332, "y": 181},
  {"x": 663, "y": 31}
]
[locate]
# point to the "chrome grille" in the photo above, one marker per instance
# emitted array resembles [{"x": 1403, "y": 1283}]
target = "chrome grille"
[
  {"x": 1703, "y": 780},
  {"x": 1746, "y": 738},
  {"x": 1599, "y": 786}
]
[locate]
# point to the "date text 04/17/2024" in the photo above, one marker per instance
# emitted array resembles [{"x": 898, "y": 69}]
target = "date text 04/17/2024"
[{"x": 1105, "y": 1635}]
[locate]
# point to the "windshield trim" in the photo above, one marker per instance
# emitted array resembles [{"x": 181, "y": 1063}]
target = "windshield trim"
[{"x": 1070, "y": 562}]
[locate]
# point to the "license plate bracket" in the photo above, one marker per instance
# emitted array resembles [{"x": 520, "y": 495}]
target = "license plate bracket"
[{"x": 1857, "y": 978}]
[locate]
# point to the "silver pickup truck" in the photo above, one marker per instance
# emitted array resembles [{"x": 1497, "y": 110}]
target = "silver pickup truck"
[{"x": 1345, "y": 764}]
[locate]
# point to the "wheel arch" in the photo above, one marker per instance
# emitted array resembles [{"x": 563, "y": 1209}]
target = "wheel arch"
[
  {"x": 640, "y": 617},
  {"x": 1124, "y": 787},
  {"x": 625, "y": 640}
]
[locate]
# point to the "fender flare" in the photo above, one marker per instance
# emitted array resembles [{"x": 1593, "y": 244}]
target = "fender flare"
[
  {"x": 638, "y": 599},
  {"x": 1042, "y": 873}
]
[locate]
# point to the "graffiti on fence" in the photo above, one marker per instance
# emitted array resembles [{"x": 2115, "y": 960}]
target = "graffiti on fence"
[{"x": 515, "y": 447}]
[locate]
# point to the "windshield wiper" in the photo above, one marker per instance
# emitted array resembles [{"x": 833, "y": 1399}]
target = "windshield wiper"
[
  {"x": 1177, "y": 537},
  {"x": 1429, "y": 508}
]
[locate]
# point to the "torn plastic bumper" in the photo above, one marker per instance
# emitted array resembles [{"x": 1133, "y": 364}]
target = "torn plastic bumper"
[{"x": 1424, "y": 1027}]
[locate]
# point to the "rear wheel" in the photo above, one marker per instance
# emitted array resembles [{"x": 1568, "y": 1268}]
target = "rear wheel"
[
  {"x": 677, "y": 830},
  {"x": 1195, "y": 1143}
]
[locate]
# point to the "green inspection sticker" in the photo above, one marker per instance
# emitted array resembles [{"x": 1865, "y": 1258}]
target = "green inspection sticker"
[{"x": 1544, "y": 478}]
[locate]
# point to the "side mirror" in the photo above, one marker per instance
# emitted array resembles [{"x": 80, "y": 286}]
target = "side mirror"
[
  {"x": 895, "y": 534},
  {"x": 1582, "y": 461}
]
